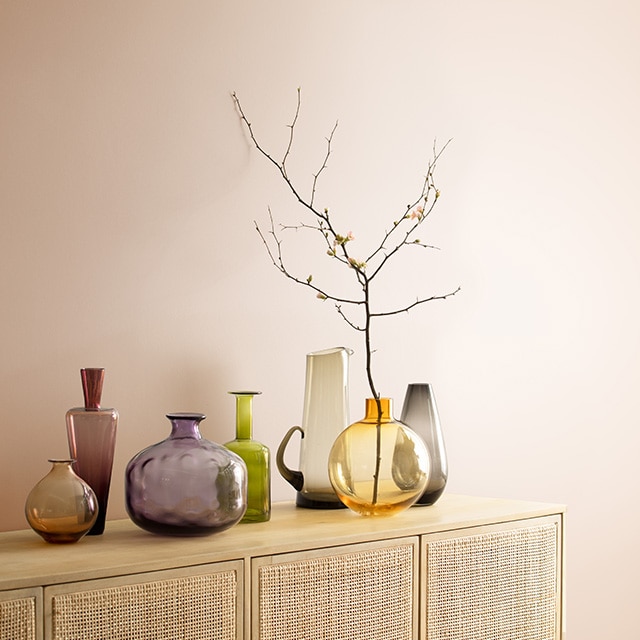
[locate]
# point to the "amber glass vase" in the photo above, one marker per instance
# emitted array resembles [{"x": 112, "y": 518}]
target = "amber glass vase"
[
  {"x": 61, "y": 507},
  {"x": 378, "y": 466}
]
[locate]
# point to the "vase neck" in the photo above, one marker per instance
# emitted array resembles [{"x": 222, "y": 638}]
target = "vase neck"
[
  {"x": 244, "y": 414},
  {"x": 61, "y": 465},
  {"x": 92, "y": 380},
  {"x": 185, "y": 425},
  {"x": 372, "y": 412}
]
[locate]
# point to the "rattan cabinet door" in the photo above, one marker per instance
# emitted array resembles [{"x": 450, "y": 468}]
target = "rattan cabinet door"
[
  {"x": 498, "y": 582},
  {"x": 356, "y": 592},
  {"x": 21, "y": 614},
  {"x": 194, "y": 603}
]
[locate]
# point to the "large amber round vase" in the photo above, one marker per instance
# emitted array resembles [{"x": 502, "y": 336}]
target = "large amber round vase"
[{"x": 378, "y": 466}]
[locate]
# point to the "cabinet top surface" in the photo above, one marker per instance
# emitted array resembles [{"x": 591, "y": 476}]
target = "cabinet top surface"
[{"x": 26, "y": 560}]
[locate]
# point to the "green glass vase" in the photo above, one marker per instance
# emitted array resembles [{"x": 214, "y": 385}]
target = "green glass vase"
[{"x": 257, "y": 458}]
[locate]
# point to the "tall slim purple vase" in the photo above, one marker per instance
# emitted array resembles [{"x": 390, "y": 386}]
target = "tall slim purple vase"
[{"x": 91, "y": 432}]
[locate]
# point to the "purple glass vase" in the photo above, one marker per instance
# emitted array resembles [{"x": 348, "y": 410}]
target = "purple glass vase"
[{"x": 186, "y": 485}]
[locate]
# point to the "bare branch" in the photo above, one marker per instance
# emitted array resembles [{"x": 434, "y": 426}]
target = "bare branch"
[
  {"x": 420, "y": 209},
  {"x": 291, "y": 127},
  {"x": 414, "y": 304},
  {"x": 347, "y": 320},
  {"x": 278, "y": 262},
  {"x": 324, "y": 164},
  {"x": 402, "y": 233}
]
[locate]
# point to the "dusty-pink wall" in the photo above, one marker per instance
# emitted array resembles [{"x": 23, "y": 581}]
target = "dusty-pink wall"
[{"x": 128, "y": 191}]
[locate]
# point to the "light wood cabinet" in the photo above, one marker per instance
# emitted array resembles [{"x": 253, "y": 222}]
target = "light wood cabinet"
[{"x": 463, "y": 569}]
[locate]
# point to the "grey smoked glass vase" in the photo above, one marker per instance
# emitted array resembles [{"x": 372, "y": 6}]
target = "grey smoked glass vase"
[
  {"x": 420, "y": 412},
  {"x": 186, "y": 485}
]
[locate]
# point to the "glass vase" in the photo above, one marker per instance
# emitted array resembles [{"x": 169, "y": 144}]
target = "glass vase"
[
  {"x": 420, "y": 412},
  {"x": 62, "y": 507},
  {"x": 378, "y": 466},
  {"x": 325, "y": 415},
  {"x": 186, "y": 485},
  {"x": 91, "y": 432},
  {"x": 257, "y": 458}
]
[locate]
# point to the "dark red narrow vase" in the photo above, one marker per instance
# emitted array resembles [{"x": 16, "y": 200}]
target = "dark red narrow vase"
[{"x": 91, "y": 431}]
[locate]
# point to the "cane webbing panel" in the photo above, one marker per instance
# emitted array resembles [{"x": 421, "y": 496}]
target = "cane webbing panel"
[
  {"x": 190, "y": 608},
  {"x": 354, "y": 596},
  {"x": 18, "y": 619},
  {"x": 494, "y": 586}
]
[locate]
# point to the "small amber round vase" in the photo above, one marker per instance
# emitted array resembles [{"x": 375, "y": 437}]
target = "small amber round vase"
[
  {"x": 378, "y": 466},
  {"x": 62, "y": 507}
]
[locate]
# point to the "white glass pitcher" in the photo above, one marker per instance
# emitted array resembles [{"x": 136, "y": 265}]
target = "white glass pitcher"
[{"x": 325, "y": 415}]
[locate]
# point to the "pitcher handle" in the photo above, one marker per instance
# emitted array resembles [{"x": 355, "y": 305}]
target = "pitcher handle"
[{"x": 294, "y": 478}]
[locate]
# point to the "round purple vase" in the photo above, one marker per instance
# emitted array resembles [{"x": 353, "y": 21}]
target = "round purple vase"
[{"x": 186, "y": 485}]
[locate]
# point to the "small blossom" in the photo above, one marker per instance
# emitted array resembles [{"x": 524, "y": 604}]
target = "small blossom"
[
  {"x": 341, "y": 240},
  {"x": 357, "y": 264},
  {"x": 309, "y": 279},
  {"x": 417, "y": 213},
  {"x": 437, "y": 193},
  {"x": 321, "y": 296}
]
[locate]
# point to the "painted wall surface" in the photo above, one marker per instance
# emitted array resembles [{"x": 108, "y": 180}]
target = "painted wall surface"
[{"x": 129, "y": 190}]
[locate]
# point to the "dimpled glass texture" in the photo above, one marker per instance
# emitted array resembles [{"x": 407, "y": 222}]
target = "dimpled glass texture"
[{"x": 186, "y": 485}]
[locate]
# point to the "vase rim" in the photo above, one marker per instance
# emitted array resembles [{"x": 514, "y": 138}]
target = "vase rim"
[
  {"x": 186, "y": 415},
  {"x": 330, "y": 351},
  {"x": 61, "y": 460},
  {"x": 245, "y": 393},
  {"x": 371, "y": 407}
]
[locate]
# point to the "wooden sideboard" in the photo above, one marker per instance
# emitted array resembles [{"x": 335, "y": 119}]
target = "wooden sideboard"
[{"x": 466, "y": 568}]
